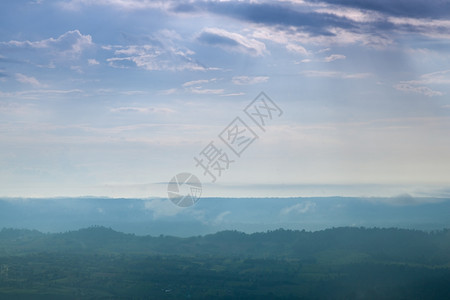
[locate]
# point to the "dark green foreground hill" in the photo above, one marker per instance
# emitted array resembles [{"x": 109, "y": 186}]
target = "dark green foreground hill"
[{"x": 338, "y": 263}]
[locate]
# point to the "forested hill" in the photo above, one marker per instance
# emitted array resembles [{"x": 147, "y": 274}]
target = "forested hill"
[{"x": 346, "y": 243}]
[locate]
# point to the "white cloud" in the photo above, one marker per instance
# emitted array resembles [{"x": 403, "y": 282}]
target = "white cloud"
[
  {"x": 410, "y": 88},
  {"x": 220, "y": 217},
  {"x": 339, "y": 36},
  {"x": 418, "y": 86},
  {"x": 334, "y": 57},
  {"x": 199, "y": 90},
  {"x": 233, "y": 94},
  {"x": 247, "y": 80},
  {"x": 162, "y": 208},
  {"x": 440, "y": 77},
  {"x": 93, "y": 61},
  {"x": 153, "y": 57},
  {"x": 69, "y": 43},
  {"x": 299, "y": 208},
  {"x": 120, "y": 4},
  {"x": 334, "y": 74},
  {"x": 196, "y": 87},
  {"x": 168, "y": 91},
  {"x": 281, "y": 37},
  {"x": 198, "y": 82},
  {"x": 353, "y": 14},
  {"x": 297, "y": 49},
  {"x": 324, "y": 50},
  {"x": 145, "y": 110},
  {"x": 232, "y": 41},
  {"x": 28, "y": 80},
  {"x": 427, "y": 27},
  {"x": 39, "y": 93}
]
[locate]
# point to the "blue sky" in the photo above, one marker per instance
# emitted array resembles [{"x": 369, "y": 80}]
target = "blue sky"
[{"x": 113, "y": 98}]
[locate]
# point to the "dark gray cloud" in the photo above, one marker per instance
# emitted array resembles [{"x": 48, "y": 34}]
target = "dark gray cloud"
[
  {"x": 280, "y": 14},
  {"x": 299, "y": 18},
  {"x": 433, "y": 9}
]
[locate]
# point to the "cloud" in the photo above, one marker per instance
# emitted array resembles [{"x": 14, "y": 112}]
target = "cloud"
[
  {"x": 355, "y": 15},
  {"x": 247, "y": 80},
  {"x": 199, "y": 90},
  {"x": 406, "y": 8},
  {"x": 69, "y": 43},
  {"x": 233, "y": 94},
  {"x": 93, "y": 61},
  {"x": 371, "y": 23},
  {"x": 119, "y": 4},
  {"x": 231, "y": 41},
  {"x": 153, "y": 58},
  {"x": 440, "y": 77},
  {"x": 278, "y": 14},
  {"x": 168, "y": 91},
  {"x": 299, "y": 208},
  {"x": 28, "y": 80},
  {"x": 162, "y": 208},
  {"x": 40, "y": 93},
  {"x": 197, "y": 82},
  {"x": 196, "y": 87},
  {"x": 145, "y": 110},
  {"x": 220, "y": 217},
  {"x": 411, "y": 88},
  {"x": 297, "y": 49},
  {"x": 418, "y": 86},
  {"x": 334, "y": 74},
  {"x": 324, "y": 50},
  {"x": 334, "y": 57}
]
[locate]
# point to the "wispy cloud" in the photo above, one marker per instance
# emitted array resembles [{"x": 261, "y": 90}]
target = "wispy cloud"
[
  {"x": 119, "y": 4},
  {"x": 419, "y": 86},
  {"x": 93, "y": 61},
  {"x": 334, "y": 57},
  {"x": 28, "y": 80},
  {"x": 152, "y": 58},
  {"x": 440, "y": 77},
  {"x": 198, "y": 82},
  {"x": 232, "y": 41},
  {"x": 162, "y": 208},
  {"x": 297, "y": 49},
  {"x": 145, "y": 110},
  {"x": 335, "y": 74},
  {"x": 220, "y": 217},
  {"x": 299, "y": 208},
  {"x": 410, "y": 8},
  {"x": 199, "y": 90},
  {"x": 247, "y": 80},
  {"x": 39, "y": 93},
  {"x": 412, "y": 88},
  {"x": 69, "y": 43}
]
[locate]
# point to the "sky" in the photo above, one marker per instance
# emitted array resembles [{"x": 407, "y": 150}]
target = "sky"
[{"x": 114, "y": 98}]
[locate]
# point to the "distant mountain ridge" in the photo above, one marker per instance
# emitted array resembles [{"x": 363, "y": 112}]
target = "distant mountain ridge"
[
  {"x": 155, "y": 216},
  {"x": 346, "y": 243}
]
